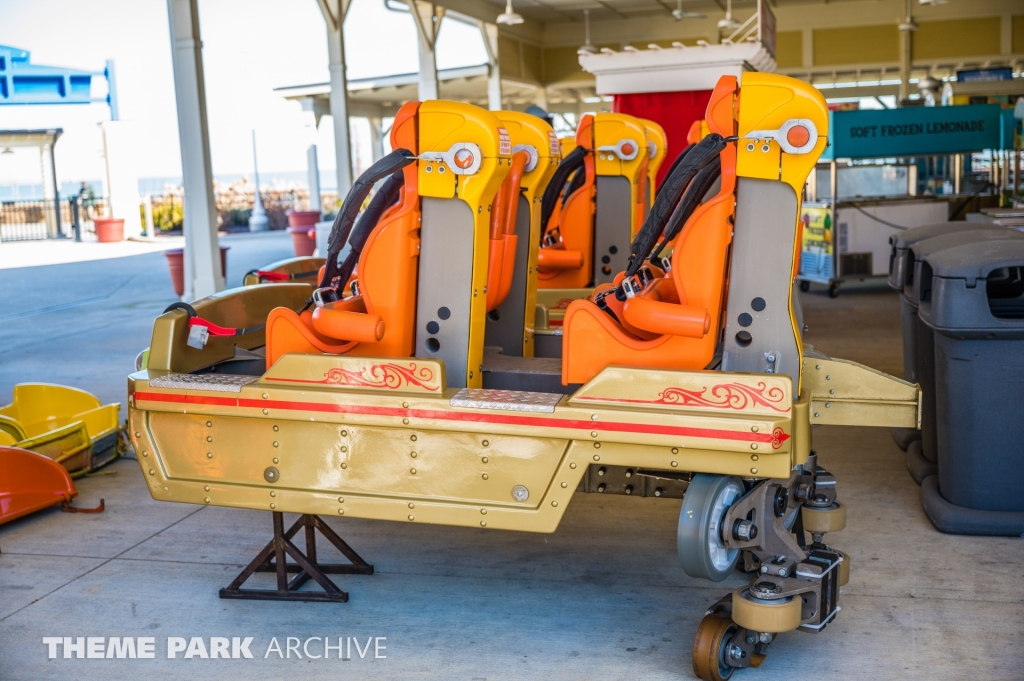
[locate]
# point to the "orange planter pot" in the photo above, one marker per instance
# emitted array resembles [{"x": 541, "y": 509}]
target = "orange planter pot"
[
  {"x": 109, "y": 230},
  {"x": 176, "y": 264},
  {"x": 302, "y": 227}
]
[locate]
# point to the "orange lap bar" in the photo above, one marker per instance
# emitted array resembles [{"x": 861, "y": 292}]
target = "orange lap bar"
[
  {"x": 667, "y": 318},
  {"x": 559, "y": 259},
  {"x": 351, "y": 326}
]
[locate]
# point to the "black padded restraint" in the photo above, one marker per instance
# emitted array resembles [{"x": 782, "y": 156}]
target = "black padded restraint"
[
  {"x": 385, "y": 197},
  {"x": 691, "y": 199},
  {"x": 574, "y": 183},
  {"x": 566, "y": 168},
  {"x": 389, "y": 165},
  {"x": 672, "y": 189},
  {"x": 675, "y": 164}
]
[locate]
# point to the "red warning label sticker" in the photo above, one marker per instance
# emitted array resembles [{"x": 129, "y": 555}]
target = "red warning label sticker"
[
  {"x": 504, "y": 142},
  {"x": 556, "y": 149}
]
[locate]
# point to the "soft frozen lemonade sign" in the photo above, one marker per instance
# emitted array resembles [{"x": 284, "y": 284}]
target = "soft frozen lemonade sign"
[{"x": 913, "y": 131}]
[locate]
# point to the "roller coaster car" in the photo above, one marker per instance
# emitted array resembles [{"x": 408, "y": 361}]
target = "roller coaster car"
[
  {"x": 594, "y": 204},
  {"x": 376, "y": 405},
  {"x": 65, "y": 424}
]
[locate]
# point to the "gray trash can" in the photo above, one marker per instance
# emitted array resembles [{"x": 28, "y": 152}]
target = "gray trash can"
[
  {"x": 922, "y": 454},
  {"x": 899, "y": 244},
  {"x": 972, "y": 299}
]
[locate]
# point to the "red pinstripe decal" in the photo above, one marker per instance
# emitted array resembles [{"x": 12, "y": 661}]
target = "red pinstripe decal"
[{"x": 442, "y": 415}]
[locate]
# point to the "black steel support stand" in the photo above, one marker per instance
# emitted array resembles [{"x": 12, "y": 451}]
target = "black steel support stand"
[{"x": 273, "y": 558}]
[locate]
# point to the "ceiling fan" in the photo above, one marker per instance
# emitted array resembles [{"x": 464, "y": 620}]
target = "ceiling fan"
[{"x": 679, "y": 13}]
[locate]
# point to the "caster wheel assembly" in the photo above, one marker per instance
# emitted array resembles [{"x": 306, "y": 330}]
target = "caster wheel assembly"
[
  {"x": 819, "y": 520},
  {"x": 805, "y": 286},
  {"x": 711, "y": 648},
  {"x": 702, "y": 551},
  {"x": 833, "y": 289},
  {"x": 757, "y": 607}
]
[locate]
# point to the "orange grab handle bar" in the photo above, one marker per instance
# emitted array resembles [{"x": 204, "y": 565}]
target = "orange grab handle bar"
[
  {"x": 495, "y": 261},
  {"x": 503, "y": 222},
  {"x": 345, "y": 325},
  {"x": 667, "y": 318},
  {"x": 558, "y": 259},
  {"x": 508, "y": 267}
]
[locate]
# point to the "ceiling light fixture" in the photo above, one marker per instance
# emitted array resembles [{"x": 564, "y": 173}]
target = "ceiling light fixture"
[
  {"x": 586, "y": 48},
  {"x": 679, "y": 13},
  {"x": 728, "y": 23},
  {"x": 509, "y": 18},
  {"x": 908, "y": 23}
]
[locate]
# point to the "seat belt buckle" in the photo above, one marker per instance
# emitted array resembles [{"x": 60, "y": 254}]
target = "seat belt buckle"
[
  {"x": 325, "y": 295},
  {"x": 197, "y": 336}
]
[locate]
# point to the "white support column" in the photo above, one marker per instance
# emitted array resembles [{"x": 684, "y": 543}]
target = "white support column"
[
  {"x": 490, "y": 35},
  {"x": 334, "y": 15},
  {"x": 376, "y": 138},
  {"x": 313, "y": 177},
  {"x": 49, "y": 189},
  {"x": 202, "y": 253},
  {"x": 541, "y": 97},
  {"x": 428, "y": 22}
]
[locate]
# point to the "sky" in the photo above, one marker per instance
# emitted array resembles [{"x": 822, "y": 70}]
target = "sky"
[{"x": 250, "y": 47}]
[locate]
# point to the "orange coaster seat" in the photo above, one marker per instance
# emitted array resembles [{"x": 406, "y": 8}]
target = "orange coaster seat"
[{"x": 674, "y": 321}]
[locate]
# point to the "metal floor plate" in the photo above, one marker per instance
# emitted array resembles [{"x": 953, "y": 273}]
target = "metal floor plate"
[
  {"x": 508, "y": 400},
  {"x": 220, "y": 383}
]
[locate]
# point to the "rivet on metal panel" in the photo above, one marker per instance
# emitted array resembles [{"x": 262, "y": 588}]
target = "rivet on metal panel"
[
  {"x": 818, "y": 367},
  {"x": 597, "y": 457},
  {"x": 138, "y": 434},
  {"x": 341, "y": 500},
  {"x": 828, "y": 377},
  {"x": 209, "y": 455},
  {"x": 271, "y": 506},
  {"x": 832, "y": 391},
  {"x": 209, "y": 438},
  {"x": 273, "y": 494},
  {"x": 565, "y": 484},
  {"x": 208, "y": 424},
  {"x": 277, "y": 460},
  {"x": 344, "y": 449},
  {"x": 753, "y": 457},
  {"x": 413, "y": 438},
  {"x": 828, "y": 405},
  {"x": 572, "y": 465},
  {"x": 593, "y": 433},
  {"x": 145, "y": 453},
  {"x": 405, "y": 405},
  {"x": 554, "y": 503},
  {"x": 413, "y": 471},
  {"x": 344, "y": 433},
  {"x": 207, "y": 500},
  {"x": 593, "y": 417},
  {"x": 266, "y": 411},
  {"x": 271, "y": 474},
  {"x": 152, "y": 472},
  {"x": 483, "y": 523},
  {"x": 483, "y": 511},
  {"x": 207, "y": 488},
  {"x": 485, "y": 476},
  {"x": 405, "y": 422},
  {"x": 166, "y": 488},
  {"x": 344, "y": 465},
  {"x": 471, "y": 374},
  {"x": 753, "y": 471},
  {"x": 674, "y": 464},
  {"x": 597, "y": 445},
  {"x": 675, "y": 450},
  {"x": 276, "y": 443},
  {"x": 341, "y": 511},
  {"x": 816, "y": 414},
  {"x": 486, "y": 443},
  {"x": 412, "y": 505},
  {"x": 277, "y": 428},
  {"x": 412, "y": 517},
  {"x": 753, "y": 429},
  {"x": 484, "y": 459},
  {"x": 753, "y": 445},
  {"x": 414, "y": 454},
  {"x": 265, "y": 396}
]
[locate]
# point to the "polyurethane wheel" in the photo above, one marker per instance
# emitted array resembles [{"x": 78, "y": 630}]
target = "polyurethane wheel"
[
  {"x": 844, "y": 569},
  {"x": 710, "y": 647},
  {"x": 773, "y": 617},
  {"x": 821, "y": 520},
  {"x": 805, "y": 286},
  {"x": 702, "y": 551},
  {"x": 833, "y": 289}
]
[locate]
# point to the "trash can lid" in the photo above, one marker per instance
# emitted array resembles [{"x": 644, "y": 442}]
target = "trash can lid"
[
  {"x": 974, "y": 290},
  {"x": 936, "y": 244},
  {"x": 901, "y": 241},
  {"x": 973, "y": 261}
]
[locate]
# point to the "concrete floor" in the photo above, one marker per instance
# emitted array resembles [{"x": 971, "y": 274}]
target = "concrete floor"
[{"x": 603, "y": 597}]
